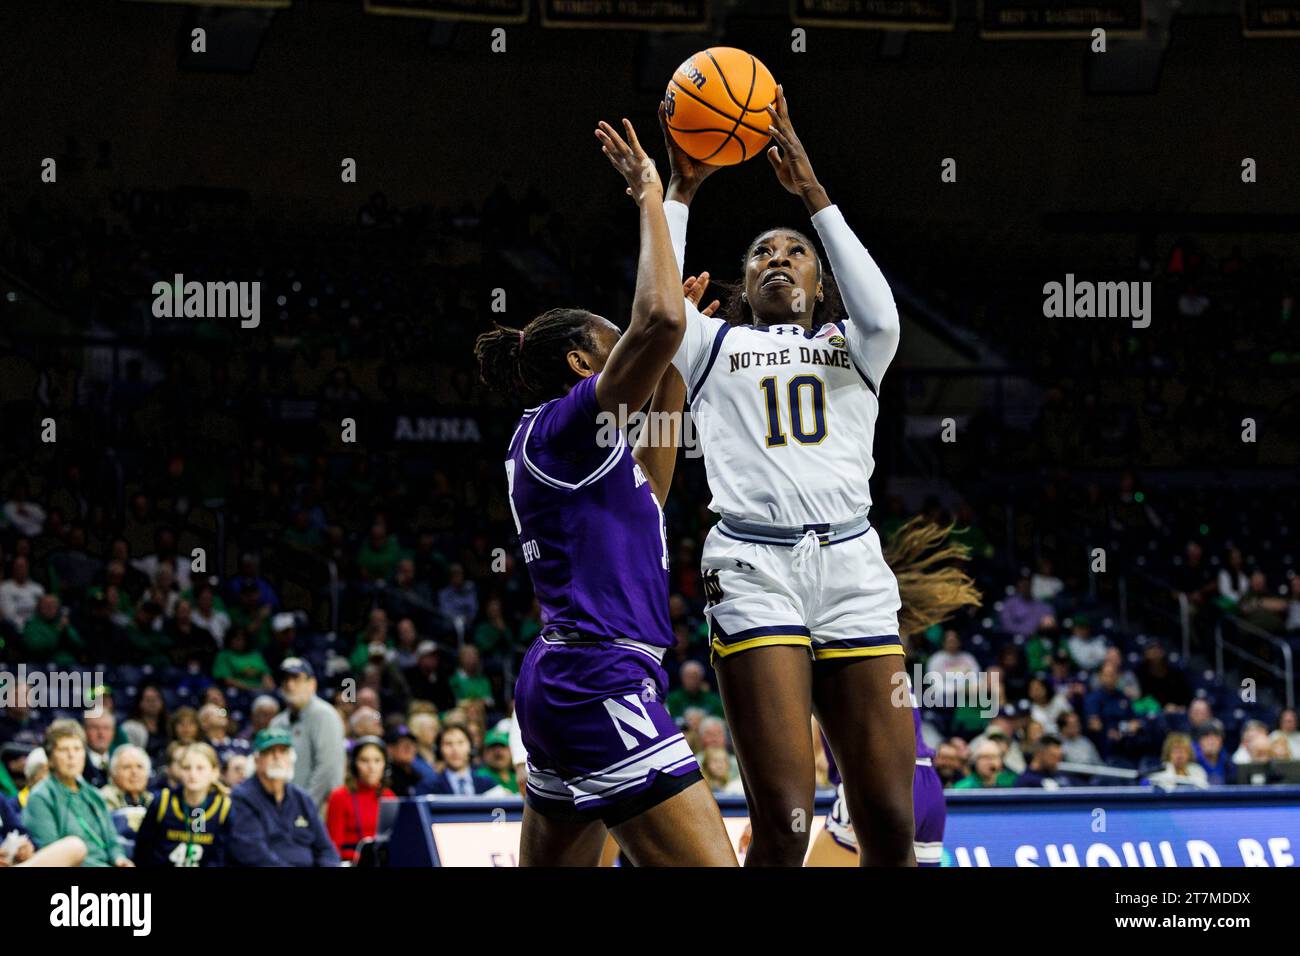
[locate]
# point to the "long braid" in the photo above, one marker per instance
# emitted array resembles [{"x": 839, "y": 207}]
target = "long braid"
[
  {"x": 532, "y": 362},
  {"x": 931, "y": 589}
]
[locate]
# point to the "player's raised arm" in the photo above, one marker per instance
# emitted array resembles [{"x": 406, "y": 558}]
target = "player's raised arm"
[
  {"x": 872, "y": 312},
  {"x": 656, "y": 446},
  {"x": 686, "y": 175},
  {"x": 647, "y": 346}
]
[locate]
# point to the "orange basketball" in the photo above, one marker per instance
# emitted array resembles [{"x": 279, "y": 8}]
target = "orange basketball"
[{"x": 716, "y": 105}]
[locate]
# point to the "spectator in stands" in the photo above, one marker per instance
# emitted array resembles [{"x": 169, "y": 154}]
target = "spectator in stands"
[
  {"x": 458, "y": 601},
  {"x": 1087, "y": 649},
  {"x": 952, "y": 664},
  {"x": 1002, "y": 730},
  {"x": 352, "y": 814},
  {"x": 1107, "y": 707},
  {"x": 1198, "y": 713},
  {"x": 1046, "y": 704},
  {"x": 148, "y": 642},
  {"x": 1192, "y": 578},
  {"x": 64, "y": 804},
  {"x": 986, "y": 769},
  {"x": 426, "y": 727},
  {"x": 1127, "y": 680},
  {"x": 948, "y": 763},
  {"x": 165, "y": 556},
  {"x": 1253, "y": 730},
  {"x": 458, "y": 776},
  {"x": 426, "y": 681},
  {"x": 316, "y": 731},
  {"x": 1043, "y": 768},
  {"x": 1286, "y": 726},
  {"x": 1045, "y": 585},
  {"x": 1233, "y": 582},
  {"x": 252, "y": 615},
  {"x": 1021, "y": 613},
  {"x": 240, "y": 666},
  {"x": 497, "y": 762},
  {"x": 264, "y": 709},
  {"x": 715, "y": 765},
  {"x": 27, "y": 517},
  {"x": 1292, "y": 623},
  {"x": 379, "y": 555},
  {"x": 70, "y": 851},
  {"x": 100, "y": 729},
  {"x": 19, "y": 595},
  {"x": 185, "y": 727},
  {"x": 408, "y": 775},
  {"x": 365, "y": 722},
  {"x": 1180, "y": 770},
  {"x": 208, "y": 614},
  {"x": 276, "y": 822},
  {"x": 1075, "y": 747},
  {"x": 284, "y": 639},
  {"x": 50, "y": 636},
  {"x": 147, "y": 725},
  {"x": 693, "y": 692},
  {"x": 249, "y": 574},
  {"x": 215, "y": 725},
  {"x": 1210, "y": 754},
  {"x": 1262, "y": 608},
  {"x": 469, "y": 682},
  {"x": 236, "y": 770},
  {"x": 494, "y": 635},
  {"x": 170, "y": 835},
  {"x": 1167, "y": 684}
]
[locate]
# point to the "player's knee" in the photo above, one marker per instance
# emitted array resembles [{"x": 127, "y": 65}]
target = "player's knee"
[
  {"x": 781, "y": 832},
  {"x": 889, "y": 834}
]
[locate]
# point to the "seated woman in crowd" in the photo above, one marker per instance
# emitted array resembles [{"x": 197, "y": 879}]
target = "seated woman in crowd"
[
  {"x": 352, "y": 813},
  {"x": 129, "y": 770},
  {"x": 64, "y": 805}
]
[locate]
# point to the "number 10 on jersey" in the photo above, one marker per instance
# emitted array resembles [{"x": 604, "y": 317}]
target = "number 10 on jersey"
[{"x": 800, "y": 391}]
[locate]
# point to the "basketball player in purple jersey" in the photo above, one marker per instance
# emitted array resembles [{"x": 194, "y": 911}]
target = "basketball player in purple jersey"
[
  {"x": 837, "y": 844},
  {"x": 604, "y": 754}
]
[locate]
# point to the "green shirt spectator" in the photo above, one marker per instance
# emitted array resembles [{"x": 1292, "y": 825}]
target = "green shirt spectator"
[
  {"x": 693, "y": 692},
  {"x": 241, "y": 665},
  {"x": 469, "y": 682},
  {"x": 147, "y": 645},
  {"x": 50, "y": 636},
  {"x": 988, "y": 771},
  {"x": 64, "y": 804},
  {"x": 377, "y": 559}
]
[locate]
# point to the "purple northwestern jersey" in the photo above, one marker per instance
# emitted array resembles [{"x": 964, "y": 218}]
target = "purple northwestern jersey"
[{"x": 590, "y": 526}]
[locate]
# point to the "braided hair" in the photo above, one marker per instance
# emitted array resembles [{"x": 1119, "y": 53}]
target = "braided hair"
[
  {"x": 737, "y": 311},
  {"x": 532, "y": 362}
]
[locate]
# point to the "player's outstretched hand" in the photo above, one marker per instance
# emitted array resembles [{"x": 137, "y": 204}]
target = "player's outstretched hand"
[
  {"x": 686, "y": 172},
  {"x": 630, "y": 160},
  {"x": 693, "y": 289},
  {"x": 789, "y": 158}
]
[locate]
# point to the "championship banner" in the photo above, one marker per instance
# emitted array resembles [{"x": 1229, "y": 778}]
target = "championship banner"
[
  {"x": 1059, "y": 19},
  {"x": 626, "y": 14},
  {"x": 1270, "y": 18},
  {"x": 489, "y": 11},
  {"x": 875, "y": 14}
]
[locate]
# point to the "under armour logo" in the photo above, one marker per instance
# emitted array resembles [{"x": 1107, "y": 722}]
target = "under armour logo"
[
  {"x": 744, "y": 566},
  {"x": 648, "y": 692}
]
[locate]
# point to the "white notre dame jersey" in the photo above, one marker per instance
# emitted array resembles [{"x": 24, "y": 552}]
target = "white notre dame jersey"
[{"x": 787, "y": 416}]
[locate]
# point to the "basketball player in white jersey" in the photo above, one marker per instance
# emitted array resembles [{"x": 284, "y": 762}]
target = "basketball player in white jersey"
[{"x": 803, "y": 609}]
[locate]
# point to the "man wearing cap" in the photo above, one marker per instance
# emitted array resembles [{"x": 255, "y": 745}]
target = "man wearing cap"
[
  {"x": 425, "y": 679},
  {"x": 497, "y": 763},
  {"x": 277, "y": 823},
  {"x": 408, "y": 773},
  {"x": 316, "y": 730},
  {"x": 284, "y": 639}
]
